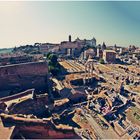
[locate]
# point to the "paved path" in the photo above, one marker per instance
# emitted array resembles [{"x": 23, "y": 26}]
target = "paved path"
[
  {"x": 103, "y": 134},
  {"x": 5, "y": 132}
]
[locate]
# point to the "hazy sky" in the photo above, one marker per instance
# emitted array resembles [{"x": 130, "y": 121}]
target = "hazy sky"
[{"x": 29, "y": 22}]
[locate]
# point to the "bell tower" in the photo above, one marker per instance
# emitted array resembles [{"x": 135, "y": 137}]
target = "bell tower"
[{"x": 69, "y": 38}]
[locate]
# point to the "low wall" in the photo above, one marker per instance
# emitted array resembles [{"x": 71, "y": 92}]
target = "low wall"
[{"x": 19, "y": 95}]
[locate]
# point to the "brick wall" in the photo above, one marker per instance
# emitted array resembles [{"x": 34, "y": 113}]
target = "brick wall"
[{"x": 24, "y": 75}]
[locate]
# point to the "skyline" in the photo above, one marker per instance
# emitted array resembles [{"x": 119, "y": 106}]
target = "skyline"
[{"x": 28, "y": 22}]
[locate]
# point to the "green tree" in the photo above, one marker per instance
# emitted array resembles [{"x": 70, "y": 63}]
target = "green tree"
[
  {"x": 101, "y": 61},
  {"x": 53, "y": 58},
  {"x": 54, "y": 66},
  {"x": 47, "y": 55}
]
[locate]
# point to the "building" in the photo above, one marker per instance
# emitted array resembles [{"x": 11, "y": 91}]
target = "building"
[
  {"x": 103, "y": 47},
  {"x": 70, "y": 48},
  {"x": 15, "y": 58},
  {"x": 47, "y": 47},
  {"x": 89, "y": 53},
  {"x": 99, "y": 53},
  {"x": 91, "y": 42},
  {"x": 109, "y": 56}
]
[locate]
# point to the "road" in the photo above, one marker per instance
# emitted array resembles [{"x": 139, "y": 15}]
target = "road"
[
  {"x": 127, "y": 88},
  {"x": 102, "y": 134}
]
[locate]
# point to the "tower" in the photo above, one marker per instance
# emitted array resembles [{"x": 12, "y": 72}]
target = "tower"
[{"x": 69, "y": 38}]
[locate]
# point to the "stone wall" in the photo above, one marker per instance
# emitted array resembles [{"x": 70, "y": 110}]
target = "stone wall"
[
  {"x": 35, "y": 128},
  {"x": 46, "y": 132},
  {"x": 23, "y": 76},
  {"x": 30, "y": 106}
]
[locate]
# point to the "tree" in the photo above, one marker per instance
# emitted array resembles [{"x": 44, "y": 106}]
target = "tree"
[
  {"x": 14, "y": 49},
  {"x": 54, "y": 66},
  {"x": 12, "y": 60},
  {"x": 53, "y": 58},
  {"x": 48, "y": 54},
  {"x": 104, "y": 45},
  {"x": 102, "y": 61}
]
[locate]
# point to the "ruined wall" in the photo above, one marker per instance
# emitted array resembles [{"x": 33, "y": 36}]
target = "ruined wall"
[
  {"x": 23, "y": 76},
  {"x": 30, "y": 106},
  {"x": 35, "y": 128},
  {"x": 16, "y": 96},
  {"x": 46, "y": 132}
]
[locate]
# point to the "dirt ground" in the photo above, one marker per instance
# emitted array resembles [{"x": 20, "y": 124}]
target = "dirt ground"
[{"x": 134, "y": 118}]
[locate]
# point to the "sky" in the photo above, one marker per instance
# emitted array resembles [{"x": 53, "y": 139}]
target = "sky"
[{"x": 29, "y": 22}]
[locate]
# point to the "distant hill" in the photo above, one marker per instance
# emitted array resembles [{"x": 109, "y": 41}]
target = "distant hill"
[{"x": 7, "y": 50}]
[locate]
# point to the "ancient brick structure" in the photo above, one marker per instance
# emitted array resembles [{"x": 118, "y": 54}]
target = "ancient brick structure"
[
  {"x": 30, "y": 106},
  {"x": 23, "y": 76},
  {"x": 109, "y": 56},
  {"x": 35, "y": 128}
]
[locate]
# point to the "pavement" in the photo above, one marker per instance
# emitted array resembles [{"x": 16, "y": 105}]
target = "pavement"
[
  {"x": 5, "y": 132},
  {"x": 102, "y": 134}
]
